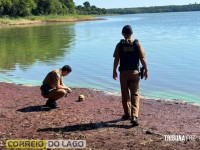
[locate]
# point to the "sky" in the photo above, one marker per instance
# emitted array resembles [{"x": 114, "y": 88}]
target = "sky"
[{"x": 134, "y": 3}]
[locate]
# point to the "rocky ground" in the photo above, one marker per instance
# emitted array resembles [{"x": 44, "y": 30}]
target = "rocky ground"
[{"x": 96, "y": 120}]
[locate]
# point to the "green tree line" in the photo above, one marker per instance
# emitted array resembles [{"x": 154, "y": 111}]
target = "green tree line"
[
  {"x": 155, "y": 9},
  {"x": 22, "y": 8},
  {"x": 87, "y": 9}
]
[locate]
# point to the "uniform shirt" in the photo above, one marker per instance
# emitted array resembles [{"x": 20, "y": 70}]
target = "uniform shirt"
[
  {"x": 53, "y": 78},
  {"x": 141, "y": 50}
]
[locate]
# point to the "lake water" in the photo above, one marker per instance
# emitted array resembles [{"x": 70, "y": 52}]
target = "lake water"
[{"x": 171, "y": 41}]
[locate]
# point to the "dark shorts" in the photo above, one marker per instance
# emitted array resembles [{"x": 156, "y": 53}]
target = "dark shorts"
[{"x": 45, "y": 88}]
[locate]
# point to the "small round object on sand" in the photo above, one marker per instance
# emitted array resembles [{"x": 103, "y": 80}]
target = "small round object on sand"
[{"x": 81, "y": 97}]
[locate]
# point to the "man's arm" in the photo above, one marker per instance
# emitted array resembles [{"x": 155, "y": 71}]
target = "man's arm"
[
  {"x": 60, "y": 84},
  {"x": 116, "y": 62},
  {"x": 144, "y": 64},
  {"x": 143, "y": 61}
]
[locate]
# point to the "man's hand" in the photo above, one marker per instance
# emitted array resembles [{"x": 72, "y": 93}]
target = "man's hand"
[
  {"x": 145, "y": 74},
  {"x": 68, "y": 90},
  {"x": 115, "y": 75},
  {"x": 66, "y": 94}
]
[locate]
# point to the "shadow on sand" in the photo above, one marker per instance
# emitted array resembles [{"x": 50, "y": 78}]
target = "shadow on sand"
[
  {"x": 88, "y": 126},
  {"x": 34, "y": 109}
]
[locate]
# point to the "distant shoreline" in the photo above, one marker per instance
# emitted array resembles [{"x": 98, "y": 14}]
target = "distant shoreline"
[
  {"x": 56, "y": 20},
  {"x": 118, "y": 94}
]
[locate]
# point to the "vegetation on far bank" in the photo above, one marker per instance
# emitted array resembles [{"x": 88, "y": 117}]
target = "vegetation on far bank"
[
  {"x": 16, "y": 11},
  {"x": 44, "y": 19},
  {"x": 23, "y": 8},
  {"x": 44, "y": 10},
  {"x": 155, "y": 9},
  {"x": 48, "y": 17}
]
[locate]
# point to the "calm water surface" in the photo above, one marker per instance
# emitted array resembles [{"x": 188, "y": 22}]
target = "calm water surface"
[{"x": 171, "y": 41}]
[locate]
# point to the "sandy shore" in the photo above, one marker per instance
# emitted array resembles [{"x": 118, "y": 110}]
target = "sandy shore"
[
  {"x": 34, "y": 22},
  {"x": 97, "y": 120}
]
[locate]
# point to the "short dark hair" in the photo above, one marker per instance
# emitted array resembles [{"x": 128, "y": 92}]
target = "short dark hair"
[
  {"x": 67, "y": 68},
  {"x": 127, "y": 29}
]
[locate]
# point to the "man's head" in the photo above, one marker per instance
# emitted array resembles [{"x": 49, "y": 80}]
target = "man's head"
[
  {"x": 66, "y": 70},
  {"x": 127, "y": 31}
]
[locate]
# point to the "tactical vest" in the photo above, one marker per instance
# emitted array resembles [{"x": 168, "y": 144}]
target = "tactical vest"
[{"x": 129, "y": 55}]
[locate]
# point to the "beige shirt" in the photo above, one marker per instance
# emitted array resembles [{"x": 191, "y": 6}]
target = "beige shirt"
[{"x": 53, "y": 78}]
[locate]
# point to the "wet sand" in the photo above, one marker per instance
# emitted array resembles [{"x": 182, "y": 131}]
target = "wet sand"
[{"x": 96, "y": 120}]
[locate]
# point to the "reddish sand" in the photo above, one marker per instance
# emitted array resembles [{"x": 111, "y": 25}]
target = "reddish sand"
[{"x": 97, "y": 120}]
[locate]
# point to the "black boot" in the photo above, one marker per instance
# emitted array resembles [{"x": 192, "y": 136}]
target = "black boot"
[
  {"x": 134, "y": 121},
  {"x": 51, "y": 104},
  {"x": 126, "y": 117}
]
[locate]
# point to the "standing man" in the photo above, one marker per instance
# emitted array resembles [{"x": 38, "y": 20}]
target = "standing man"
[
  {"x": 53, "y": 87},
  {"x": 129, "y": 53}
]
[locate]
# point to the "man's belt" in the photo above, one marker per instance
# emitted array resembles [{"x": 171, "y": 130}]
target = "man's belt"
[{"x": 124, "y": 68}]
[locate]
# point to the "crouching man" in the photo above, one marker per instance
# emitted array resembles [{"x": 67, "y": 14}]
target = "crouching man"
[{"x": 53, "y": 87}]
